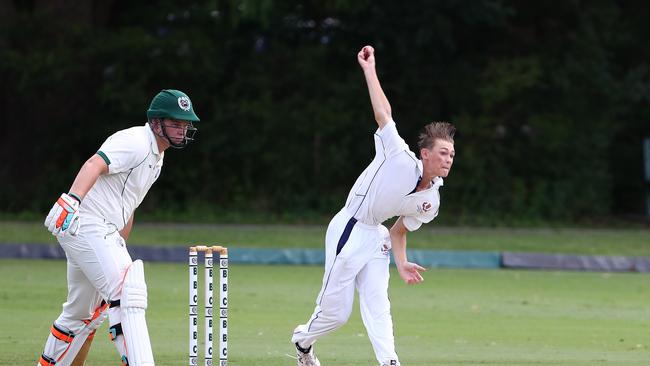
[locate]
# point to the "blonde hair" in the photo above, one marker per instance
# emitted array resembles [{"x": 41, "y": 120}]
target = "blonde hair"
[{"x": 436, "y": 130}]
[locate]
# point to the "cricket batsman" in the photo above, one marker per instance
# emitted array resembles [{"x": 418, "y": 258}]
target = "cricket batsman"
[{"x": 92, "y": 223}]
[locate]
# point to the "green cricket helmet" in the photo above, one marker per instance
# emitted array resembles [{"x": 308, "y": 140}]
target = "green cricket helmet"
[{"x": 175, "y": 105}]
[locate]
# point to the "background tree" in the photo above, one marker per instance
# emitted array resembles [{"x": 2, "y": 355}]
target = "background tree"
[{"x": 550, "y": 100}]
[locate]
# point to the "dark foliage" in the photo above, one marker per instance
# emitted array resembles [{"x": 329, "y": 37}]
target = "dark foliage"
[{"x": 550, "y": 99}]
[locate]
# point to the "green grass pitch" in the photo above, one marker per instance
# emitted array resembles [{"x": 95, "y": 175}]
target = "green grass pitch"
[{"x": 456, "y": 317}]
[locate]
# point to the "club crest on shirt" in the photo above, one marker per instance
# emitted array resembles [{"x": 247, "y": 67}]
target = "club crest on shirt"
[
  {"x": 385, "y": 249},
  {"x": 184, "y": 103},
  {"x": 425, "y": 207}
]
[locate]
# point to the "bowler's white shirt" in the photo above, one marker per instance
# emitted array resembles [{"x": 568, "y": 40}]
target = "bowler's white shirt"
[
  {"x": 134, "y": 164},
  {"x": 386, "y": 187}
]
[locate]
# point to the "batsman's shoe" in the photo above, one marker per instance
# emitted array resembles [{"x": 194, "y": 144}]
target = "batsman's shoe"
[{"x": 306, "y": 357}]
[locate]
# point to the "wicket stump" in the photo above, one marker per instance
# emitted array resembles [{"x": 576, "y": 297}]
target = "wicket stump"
[{"x": 208, "y": 301}]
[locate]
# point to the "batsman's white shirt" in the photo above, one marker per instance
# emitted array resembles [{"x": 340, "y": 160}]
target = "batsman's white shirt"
[
  {"x": 134, "y": 164},
  {"x": 387, "y": 187},
  {"x": 357, "y": 245}
]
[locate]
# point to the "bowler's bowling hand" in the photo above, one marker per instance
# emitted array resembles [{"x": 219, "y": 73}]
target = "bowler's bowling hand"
[{"x": 366, "y": 57}]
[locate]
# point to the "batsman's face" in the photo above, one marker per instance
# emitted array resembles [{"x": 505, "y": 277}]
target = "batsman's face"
[
  {"x": 439, "y": 159},
  {"x": 176, "y": 129}
]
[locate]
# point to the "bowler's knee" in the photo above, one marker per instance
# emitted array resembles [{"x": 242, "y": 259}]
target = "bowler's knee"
[{"x": 339, "y": 319}]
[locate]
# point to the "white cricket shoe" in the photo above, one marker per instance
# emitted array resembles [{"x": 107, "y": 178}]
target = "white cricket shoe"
[
  {"x": 391, "y": 363},
  {"x": 306, "y": 358}
]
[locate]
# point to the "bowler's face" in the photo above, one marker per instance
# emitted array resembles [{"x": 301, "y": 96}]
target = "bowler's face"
[{"x": 439, "y": 159}]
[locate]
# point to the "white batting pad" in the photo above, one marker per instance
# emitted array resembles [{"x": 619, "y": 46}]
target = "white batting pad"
[
  {"x": 59, "y": 343},
  {"x": 80, "y": 339},
  {"x": 64, "y": 353},
  {"x": 134, "y": 325}
]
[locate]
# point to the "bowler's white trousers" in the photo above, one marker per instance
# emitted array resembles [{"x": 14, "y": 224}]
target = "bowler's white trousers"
[
  {"x": 356, "y": 256},
  {"x": 97, "y": 260}
]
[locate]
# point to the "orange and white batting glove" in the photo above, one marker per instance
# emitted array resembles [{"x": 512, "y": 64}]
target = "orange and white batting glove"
[{"x": 64, "y": 216}]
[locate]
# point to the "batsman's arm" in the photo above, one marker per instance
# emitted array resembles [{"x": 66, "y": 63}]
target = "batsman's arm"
[
  {"x": 63, "y": 218},
  {"x": 88, "y": 174},
  {"x": 380, "y": 105},
  {"x": 410, "y": 272}
]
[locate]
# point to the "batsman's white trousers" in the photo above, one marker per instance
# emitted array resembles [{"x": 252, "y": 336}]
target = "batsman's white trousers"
[
  {"x": 356, "y": 256},
  {"x": 97, "y": 260}
]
